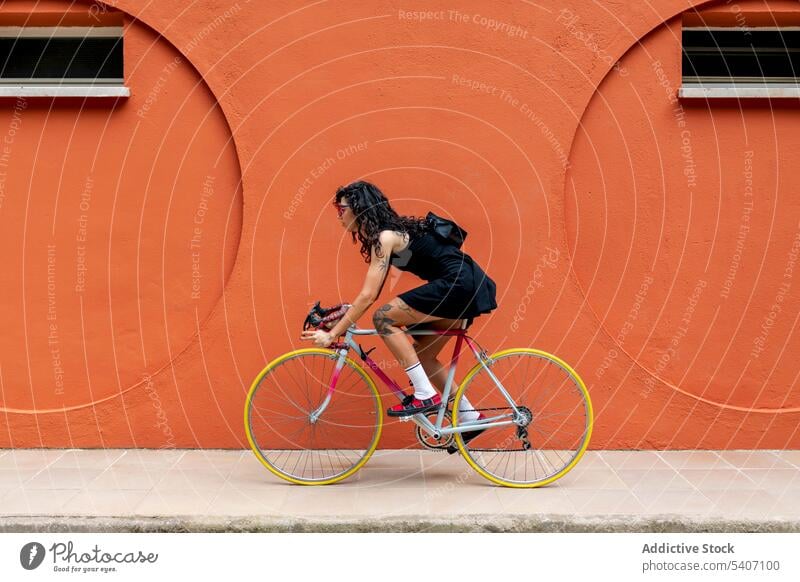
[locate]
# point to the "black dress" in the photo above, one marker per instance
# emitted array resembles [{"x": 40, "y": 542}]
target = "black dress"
[{"x": 457, "y": 287}]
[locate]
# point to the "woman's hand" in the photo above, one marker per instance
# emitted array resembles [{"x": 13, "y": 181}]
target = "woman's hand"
[{"x": 321, "y": 338}]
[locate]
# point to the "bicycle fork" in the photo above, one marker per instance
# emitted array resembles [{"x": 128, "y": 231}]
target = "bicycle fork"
[{"x": 317, "y": 412}]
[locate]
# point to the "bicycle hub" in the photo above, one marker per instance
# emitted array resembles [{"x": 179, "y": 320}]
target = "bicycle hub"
[{"x": 523, "y": 417}]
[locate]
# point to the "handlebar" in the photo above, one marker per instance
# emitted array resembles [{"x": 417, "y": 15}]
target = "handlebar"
[{"x": 325, "y": 318}]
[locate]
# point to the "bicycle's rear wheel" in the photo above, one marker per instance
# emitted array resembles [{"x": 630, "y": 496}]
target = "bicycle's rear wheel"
[
  {"x": 559, "y": 426},
  {"x": 279, "y": 424}
]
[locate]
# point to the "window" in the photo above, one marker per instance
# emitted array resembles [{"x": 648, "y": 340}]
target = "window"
[
  {"x": 740, "y": 62},
  {"x": 62, "y": 61}
]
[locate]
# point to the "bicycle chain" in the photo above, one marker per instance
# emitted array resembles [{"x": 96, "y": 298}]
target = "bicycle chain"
[
  {"x": 443, "y": 446},
  {"x": 522, "y": 434}
]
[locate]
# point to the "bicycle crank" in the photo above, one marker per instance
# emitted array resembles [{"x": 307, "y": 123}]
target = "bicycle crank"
[{"x": 430, "y": 441}]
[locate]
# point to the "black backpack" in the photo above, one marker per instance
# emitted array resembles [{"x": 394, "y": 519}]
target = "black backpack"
[{"x": 445, "y": 230}]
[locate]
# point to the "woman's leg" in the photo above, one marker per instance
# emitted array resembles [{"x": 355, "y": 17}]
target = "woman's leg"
[
  {"x": 428, "y": 348},
  {"x": 389, "y": 319}
]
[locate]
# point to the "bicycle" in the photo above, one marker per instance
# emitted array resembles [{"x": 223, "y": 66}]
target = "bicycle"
[{"x": 549, "y": 422}]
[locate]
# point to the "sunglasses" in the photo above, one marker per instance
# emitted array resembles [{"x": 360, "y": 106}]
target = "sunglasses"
[{"x": 340, "y": 208}]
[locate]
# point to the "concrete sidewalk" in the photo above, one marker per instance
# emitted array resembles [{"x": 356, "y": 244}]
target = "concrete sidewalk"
[{"x": 398, "y": 490}]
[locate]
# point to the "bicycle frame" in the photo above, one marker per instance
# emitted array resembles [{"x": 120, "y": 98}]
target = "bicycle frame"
[{"x": 435, "y": 429}]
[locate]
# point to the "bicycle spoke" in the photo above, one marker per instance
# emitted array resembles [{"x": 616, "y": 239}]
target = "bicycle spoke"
[
  {"x": 299, "y": 387},
  {"x": 285, "y": 396}
]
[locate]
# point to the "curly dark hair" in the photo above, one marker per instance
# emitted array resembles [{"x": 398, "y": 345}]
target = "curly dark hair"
[{"x": 374, "y": 214}]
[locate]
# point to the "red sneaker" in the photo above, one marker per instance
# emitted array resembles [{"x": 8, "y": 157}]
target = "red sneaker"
[{"x": 411, "y": 406}]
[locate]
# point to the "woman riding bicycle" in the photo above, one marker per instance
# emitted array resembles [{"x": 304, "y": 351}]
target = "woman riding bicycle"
[{"x": 457, "y": 289}]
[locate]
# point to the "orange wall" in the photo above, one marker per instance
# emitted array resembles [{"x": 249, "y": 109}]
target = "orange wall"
[{"x": 607, "y": 212}]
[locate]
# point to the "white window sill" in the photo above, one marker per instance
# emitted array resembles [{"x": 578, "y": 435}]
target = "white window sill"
[
  {"x": 64, "y": 91},
  {"x": 761, "y": 91}
]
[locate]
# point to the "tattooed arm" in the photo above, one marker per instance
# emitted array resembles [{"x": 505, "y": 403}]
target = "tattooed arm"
[{"x": 373, "y": 284}]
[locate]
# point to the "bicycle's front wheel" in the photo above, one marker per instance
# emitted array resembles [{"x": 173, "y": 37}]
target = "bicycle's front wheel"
[
  {"x": 552, "y": 425},
  {"x": 303, "y": 433}
]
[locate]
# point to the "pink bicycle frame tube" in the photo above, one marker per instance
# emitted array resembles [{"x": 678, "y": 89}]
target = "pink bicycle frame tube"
[{"x": 391, "y": 383}]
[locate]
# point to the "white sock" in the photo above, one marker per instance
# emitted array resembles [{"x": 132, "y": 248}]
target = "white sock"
[
  {"x": 466, "y": 413},
  {"x": 423, "y": 389}
]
